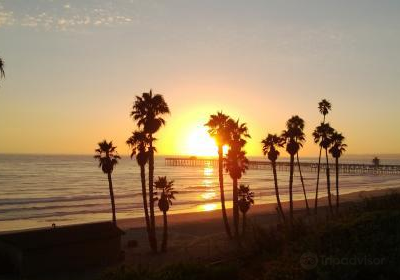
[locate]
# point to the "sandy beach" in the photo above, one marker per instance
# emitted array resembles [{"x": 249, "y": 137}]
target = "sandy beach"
[{"x": 201, "y": 235}]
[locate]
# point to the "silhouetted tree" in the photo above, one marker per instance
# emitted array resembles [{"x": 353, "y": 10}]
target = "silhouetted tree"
[
  {"x": 107, "y": 156},
  {"x": 167, "y": 194},
  {"x": 324, "y": 107},
  {"x": 270, "y": 145},
  {"x": 337, "y": 149},
  {"x": 296, "y": 121},
  {"x": 294, "y": 137},
  {"x": 147, "y": 111},
  {"x": 246, "y": 198},
  {"x": 139, "y": 143},
  {"x": 219, "y": 130},
  {"x": 236, "y": 164},
  {"x": 322, "y": 135},
  {"x": 2, "y": 73}
]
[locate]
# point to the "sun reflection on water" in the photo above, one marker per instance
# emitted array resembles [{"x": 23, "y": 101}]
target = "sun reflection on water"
[
  {"x": 208, "y": 171},
  {"x": 210, "y": 192},
  {"x": 208, "y": 207},
  {"x": 208, "y": 195}
]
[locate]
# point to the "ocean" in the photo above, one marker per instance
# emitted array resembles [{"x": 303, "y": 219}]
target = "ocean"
[{"x": 39, "y": 190}]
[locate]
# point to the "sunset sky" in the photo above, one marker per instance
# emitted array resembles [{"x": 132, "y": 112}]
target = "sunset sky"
[{"x": 74, "y": 67}]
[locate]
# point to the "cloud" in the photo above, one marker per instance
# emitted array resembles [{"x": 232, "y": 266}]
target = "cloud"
[
  {"x": 6, "y": 17},
  {"x": 61, "y": 16}
]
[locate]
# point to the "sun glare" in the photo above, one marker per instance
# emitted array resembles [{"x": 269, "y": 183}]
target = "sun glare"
[{"x": 199, "y": 143}]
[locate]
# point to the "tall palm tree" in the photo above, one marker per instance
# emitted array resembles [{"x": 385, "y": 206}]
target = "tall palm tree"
[
  {"x": 139, "y": 143},
  {"x": 337, "y": 149},
  {"x": 218, "y": 129},
  {"x": 147, "y": 111},
  {"x": 107, "y": 156},
  {"x": 270, "y": 145},
  {"x": 294, "y": 137},
  {"x": 236, "y": 164},
  {"x": 322, "y": 135},
  {"x": 298, "y": 122},
  {"x": 324, "y": 107},
  {"x": 164, "y": 202},
  {"x": 2, "y": 73},
  {"x": 246, "y": 198}
]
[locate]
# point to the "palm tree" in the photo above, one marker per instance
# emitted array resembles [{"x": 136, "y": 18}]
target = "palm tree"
[
  {"x": 236, "y": 164},
  {"x": 337, "y": 149},
  {"x": 294, "y": 137},
  {"x": 164, "y": 202},
  {"x": 147, "y": 111},
  {"x": 298, "y": 122},
  {"x": 108, "y": 158},
  {"x": 245, "y": 201},
  {"x": 219, "y": 130},
  {"x": 322, "y": 135},
  {"x": 270, "y": 145},
  {"x": 139, "y": 143},
  {"x": 324, "y": 107},
  {"x": 2, "y": 74}
]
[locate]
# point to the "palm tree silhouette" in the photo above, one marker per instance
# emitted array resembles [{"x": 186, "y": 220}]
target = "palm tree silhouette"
[
  {"x": 107, "y": 156},
  {"x": 139, "y": 143},
  {"x": 236, "y": 164},
  {"x": 337, "y": 149},
  {"x": 147, "y": 111},
  {"x": 164, "y": 202},
  {"x": 296, "y": 121},
  {"x": 2, "y": 73},
  {"x": 294, "y": 137},
  {"x": 245, "y": 201},
  {"x": 270, "y": 145},
  {"x": 322, "y": 135},
  {"x": 218, "y": 129},
  {"x": 324, "y": 107}
]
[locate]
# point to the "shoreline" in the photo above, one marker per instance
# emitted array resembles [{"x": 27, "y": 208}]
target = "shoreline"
[{"x": 215, "y": 217}]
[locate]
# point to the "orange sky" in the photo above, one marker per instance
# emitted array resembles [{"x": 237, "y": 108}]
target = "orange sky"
[{"x": 72, "y": 83}]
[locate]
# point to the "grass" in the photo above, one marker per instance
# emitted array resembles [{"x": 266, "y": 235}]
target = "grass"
[{"x": 362, "y": 243}]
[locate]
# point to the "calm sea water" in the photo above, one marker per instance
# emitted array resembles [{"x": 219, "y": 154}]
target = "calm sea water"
[{"x": 38, "y": 190}]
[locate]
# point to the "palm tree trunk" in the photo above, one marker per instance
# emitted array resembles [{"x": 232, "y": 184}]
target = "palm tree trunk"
[
  {"x": 151, "y": 196},
  {"x": 110, "y": 186},
  {"x": 316, "y": 190},
  {"x": 278, "y": 200},
  {"x": 165, "y": 233},
  {"x": 235, "y": 207},
  {"x": 221, "y": 189},
  {"x": 145, "y": 206},
  {"x": 291, "y": 188},
  {"x": 337, "y": 184},
  {"x": 318, "y": 171},
  {"x": 328, "y": 182},
  {"x": 244, "y": 224},
  {"x": 302, "y": 183}
]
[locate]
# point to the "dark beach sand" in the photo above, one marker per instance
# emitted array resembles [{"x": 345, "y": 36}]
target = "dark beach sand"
[{"x": 201, "y": 235}]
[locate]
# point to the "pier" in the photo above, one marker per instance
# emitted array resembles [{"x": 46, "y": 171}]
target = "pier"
[{"x": 345, "y": 168}]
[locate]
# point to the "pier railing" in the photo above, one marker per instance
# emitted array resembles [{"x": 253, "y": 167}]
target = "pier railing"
[{"x": 349, "y": 168}]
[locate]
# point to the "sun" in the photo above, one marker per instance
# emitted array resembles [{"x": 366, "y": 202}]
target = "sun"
[{"x": 199, "y": 143}]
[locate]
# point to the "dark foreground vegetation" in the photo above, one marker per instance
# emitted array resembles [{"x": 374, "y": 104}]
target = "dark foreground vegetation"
[{"x": 362, "y": 242}]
